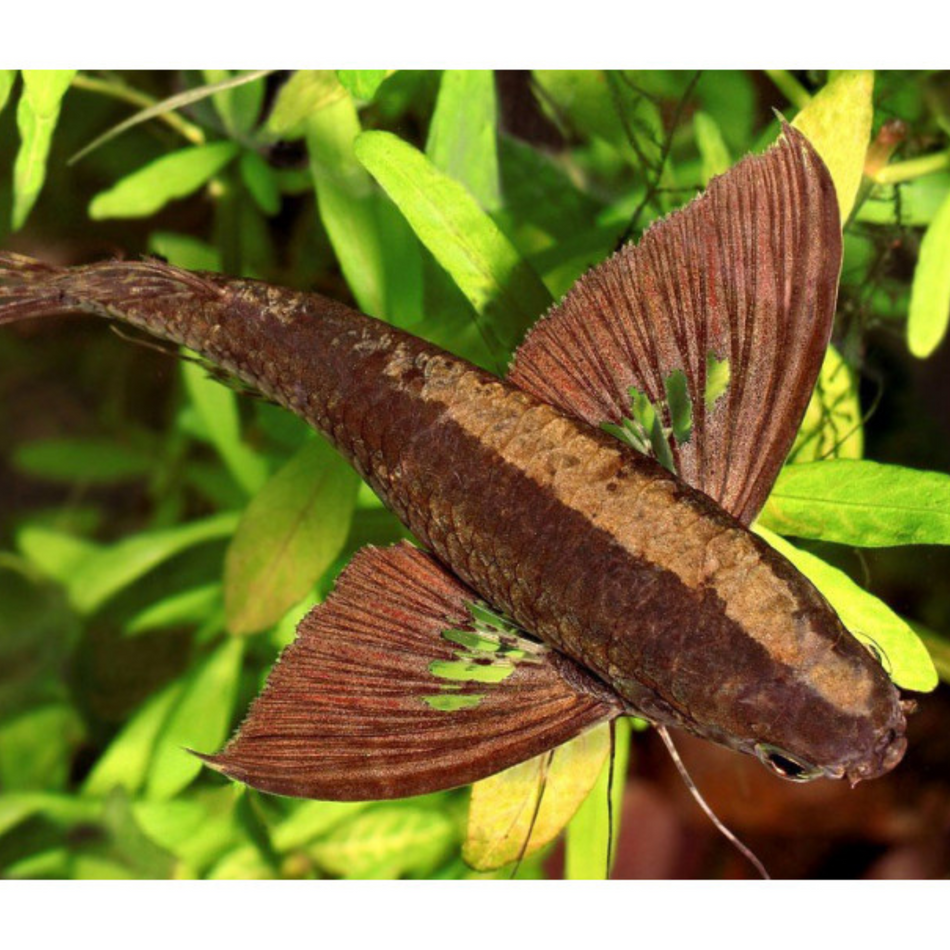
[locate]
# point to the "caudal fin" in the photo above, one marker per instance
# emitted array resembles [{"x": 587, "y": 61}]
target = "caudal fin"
[{"x": 28, "y": 288}]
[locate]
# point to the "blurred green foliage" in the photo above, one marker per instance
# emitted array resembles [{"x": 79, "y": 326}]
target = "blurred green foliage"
[{"x": 161, "y": 536}]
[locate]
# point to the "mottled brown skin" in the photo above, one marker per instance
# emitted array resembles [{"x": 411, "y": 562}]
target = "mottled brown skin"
[{"x": 599, "y": 551}]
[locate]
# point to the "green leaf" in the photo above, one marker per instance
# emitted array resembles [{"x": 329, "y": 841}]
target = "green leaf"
[
  {"x": 585, "y": 857},
  {"x": 503, "y": 805},
  {"x": 125, "y": 762},
  {"x": 61, "y": 809},
  {"x": 377, "y": 251},
  {"x": 261, "y": 182},
  {"x": 93, "y": 574},
  {"x": 387, "y": 841},
  {"x": 305, "y": 93},
  {"x": 712, "y": 146},
  {"x": 172, "y": 176},
  {"x": 462, "y": 137},
  {"x": 539, "y": 191},
  {"x": 837, "y": 122},
  {"x": 833, "y": 425},
  {"x": 930, "y": 291},
  {"x": 199, "y": 720},
  {"x": 217, "y": 408},
  {"x": 169, "y": 105},
  {"x": 238, "y": 105},
  {"x": 362, "y": 83},
  {"x": 870, "y": 620},
  {"x": 57, "y": 554},
  {"x": 7, "y": 78},
  {"x": 501, "y": 286},
  {"x": 860, "y": 503},
  {"x": 85, "y": 461},
  {"x": 37, "y": 115},
  {"x": 185, "y": 250},
  {"x": 36, "y": 748},
  {"x": 311, "y": 820},
  {"x": 191, "y": 606},
  {"x": 290, "y": 534}
]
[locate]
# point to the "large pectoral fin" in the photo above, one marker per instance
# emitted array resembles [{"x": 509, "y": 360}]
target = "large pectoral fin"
[
  {"x": 704, "y": 341},
  {"x": 400, "y": 684}
]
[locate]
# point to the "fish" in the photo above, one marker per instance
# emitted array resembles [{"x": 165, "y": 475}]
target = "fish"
[{"x": 562, "y": 577}]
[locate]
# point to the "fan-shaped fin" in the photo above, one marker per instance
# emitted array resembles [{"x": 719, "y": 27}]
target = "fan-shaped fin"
[
  {"x": 401, "y": 684},
  {"x": 717, "y": 321}
]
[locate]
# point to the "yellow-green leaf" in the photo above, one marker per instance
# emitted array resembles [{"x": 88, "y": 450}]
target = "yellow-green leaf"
[
  {"x": 589, "y": 834},
  {"x": 199, "y": 720},
  {"x": 832, "y": 426},
  {"x": 306, "y": 92},
  {"x": 463, "y": 133},
  {"x": 37, "y": 114},
  {"x": 289, "y": 535},
  {"x": 930, "y": 292},
  {"x": 713, "y": 150},
  {"x": 870, "y": 620},
  {"x": 7, "y": 77},
  {"x": 860, "y": 503},
  {"x": 502, "y": 806},
  {"x": 501, "y": 286},
  {"x": 837, "y": 122},
  {"x": 172, "y": 176},
  {"x": 362, "y": 83}
]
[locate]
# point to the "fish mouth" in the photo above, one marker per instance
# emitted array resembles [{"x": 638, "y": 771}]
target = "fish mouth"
[{"x": 888, "y": 751}]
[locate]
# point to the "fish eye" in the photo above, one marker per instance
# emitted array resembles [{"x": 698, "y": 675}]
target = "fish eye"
[{"x": 786, "y": 765}]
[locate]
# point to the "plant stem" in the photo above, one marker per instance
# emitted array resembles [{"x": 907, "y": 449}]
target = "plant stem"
[
  {"x": 912, "y": 168},
  {"x": 790, "y": 87},
  {"x": 117, "y": 89}
]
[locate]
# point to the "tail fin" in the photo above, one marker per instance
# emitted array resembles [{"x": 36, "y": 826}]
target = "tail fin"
[{"x": 28, "y": 288}]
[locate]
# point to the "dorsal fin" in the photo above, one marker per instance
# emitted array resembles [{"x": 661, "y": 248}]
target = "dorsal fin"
[
  {"x": 717, "y": 321},
  {"x": 397, "y": 685}
]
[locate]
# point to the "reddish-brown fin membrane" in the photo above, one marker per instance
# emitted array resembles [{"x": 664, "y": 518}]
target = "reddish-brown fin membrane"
[
  {"x": 385, "y": 694},
  {"x": 743, "y": 279}
]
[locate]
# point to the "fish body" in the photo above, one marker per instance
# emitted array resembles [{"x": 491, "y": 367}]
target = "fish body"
[{"x": 654, "y": 593}]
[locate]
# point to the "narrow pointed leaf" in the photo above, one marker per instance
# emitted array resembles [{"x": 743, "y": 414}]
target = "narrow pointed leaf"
[
  {"x": 237, "y": 99},
  {"x": 588, "y": 834},
  {"x": 903, "y": 654},
  {"x": 362, "y": 83},
  {"x": 290, "y": 534},
  {"x": 82, "y": 461},
  {"x": 111, "y": 569},
  {"x": 217, "y": 407},
  {"x": 200, "y": 719},
  {"x": 304, "y": 94},
  {"x": 37, "y": 115},
  {"x": 462, "y": 137},
  {"x": 502, "y": 287},
  {"x": 172, "y": 176},
  {"x": 713, "y": 150},
  {"x": 125, "y": 762},
  {"x": 837, "y": 122},
  {"x": 930, "y": 292},
  {"x": 386, "y": 842},
  {"x": 7, "y": 78},
  {"x": 178, "y": 101},
  {"x": 377, "y": 251},
  {"x": 833, "y": 426},
  {"x": 860, "y": 503},
  {"x": 502, "y": 806},
  {"x": 191, "y": 607}
]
